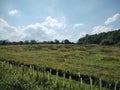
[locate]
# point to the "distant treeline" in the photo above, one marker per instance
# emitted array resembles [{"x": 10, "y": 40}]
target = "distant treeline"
[
  {"x": 105, "y": 38},
  {"x": 7, "y": 42}
]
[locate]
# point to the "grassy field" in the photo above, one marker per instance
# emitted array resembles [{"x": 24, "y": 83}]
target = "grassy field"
[
  {"x": 24, "y": 78},
  {"x": 93, "y": 60}
]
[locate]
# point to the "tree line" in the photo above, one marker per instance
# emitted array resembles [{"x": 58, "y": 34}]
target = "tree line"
[
  {"x": 105, "y": 38},
  {"x": 7, "y": 42}
]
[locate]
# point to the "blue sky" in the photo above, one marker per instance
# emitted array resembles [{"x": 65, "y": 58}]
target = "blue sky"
[{"x": 57, "y": 19}]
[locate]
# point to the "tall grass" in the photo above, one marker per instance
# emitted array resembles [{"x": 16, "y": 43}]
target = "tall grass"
[{"x": 27, "y": 78}]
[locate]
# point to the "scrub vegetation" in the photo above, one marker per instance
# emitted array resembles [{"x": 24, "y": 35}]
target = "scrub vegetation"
[{"x": 95, "y": 63}]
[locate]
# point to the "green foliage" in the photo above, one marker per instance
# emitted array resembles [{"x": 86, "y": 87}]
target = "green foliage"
[
  {"x": 66, "y": 41},
  {"x": 118, "y": 44},
  {"x": 108, "y": 38},
  {"x": 56, "y": 42},
  {"x": 33, "y": 42},
  {"x": 73, "y": 58},
  {"x": 4, "y": 42},
  {"x": 106, "y": 42},
  {"x": 110, "y": 58},
  {"x": 14, "y": 80}
]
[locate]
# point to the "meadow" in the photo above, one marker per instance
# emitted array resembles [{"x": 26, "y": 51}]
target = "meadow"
[{"x": 88, "y": 61}]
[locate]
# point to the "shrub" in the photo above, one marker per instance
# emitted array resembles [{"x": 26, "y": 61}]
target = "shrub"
[
  {"x": 107, "y": 42},
  {"x": 118, "y": 44},
  {"x": 110, "y": 58}
]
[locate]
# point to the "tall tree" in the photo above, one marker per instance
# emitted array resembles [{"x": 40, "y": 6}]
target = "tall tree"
[
  {"x": 56, "y": 41},
  {"x": 66, "y": 41}
]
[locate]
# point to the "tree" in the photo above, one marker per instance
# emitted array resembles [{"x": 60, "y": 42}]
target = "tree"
[
  {"x": 105, "y": 38},
  {"x": 26, "y": 42},
  {"x": 118, "y": 44},
  {"x": 33, "y": 42},
  {"x": 51, "y": 42},
  {"x": 20, "y": 42},
  {"x": 56, "y": 41},
  {"x": 106, "y": 42},
  {"x": 4, "y": 42},
  {"x": 66, "y": 41}
]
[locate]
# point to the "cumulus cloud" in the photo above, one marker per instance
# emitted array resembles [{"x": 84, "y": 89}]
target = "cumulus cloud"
[
  {"x": 13, "y": 12},
  {"x": 75, "y": 26},
  {"x": 46, "y": 30},
  {"x": 9, "y": 32},
  {"x": 3, "y": 23},
  {"x": 101, "y": 28},
  {"x": 49, "y": 29},
  {"x": 38, "y": 31},
  {"x": 112, "y": 19},
  {"x": 106, "y": 27},
  {"x": 51, "y": 22}
]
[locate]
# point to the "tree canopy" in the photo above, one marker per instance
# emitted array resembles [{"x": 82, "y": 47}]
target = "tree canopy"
[{"x": 105, "y": 38}]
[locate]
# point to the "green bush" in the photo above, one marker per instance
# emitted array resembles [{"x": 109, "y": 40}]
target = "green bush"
[
  {"x": 107, "y": 42},
  {"x": 118, "y": 44}
]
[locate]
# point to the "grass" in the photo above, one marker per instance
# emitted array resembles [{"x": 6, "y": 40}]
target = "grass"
[
  {"x": 93, "y": 60},
  {"x": 24, "y": 78}
]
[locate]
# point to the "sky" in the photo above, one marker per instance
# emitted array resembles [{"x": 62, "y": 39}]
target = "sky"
[{"x": 46, "y": 20}]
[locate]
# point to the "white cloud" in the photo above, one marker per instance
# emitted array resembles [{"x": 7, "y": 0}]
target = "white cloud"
[
  {"x": 51, "y": 22},
  {"x": 101, "y": 28},
  {"x": 10, "y": 32},
  {"x": 112, "y": 19},
  {"x": 75, "y": 26},
  {"x": 82, "y": 34},
  {"x": 46, "y": 30},
  {"x": 49, "y": 29},
  {"x": 39, "y": 32},
  {"x": 106, "y": 27},
  {"x": 3, "y": 23},
  {"x": 13, "y": 12}
]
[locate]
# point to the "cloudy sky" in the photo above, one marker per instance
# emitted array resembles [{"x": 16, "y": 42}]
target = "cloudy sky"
[{"x": 57, "y": 19}]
